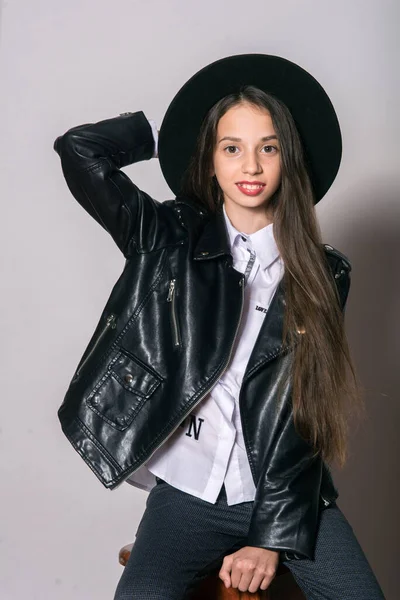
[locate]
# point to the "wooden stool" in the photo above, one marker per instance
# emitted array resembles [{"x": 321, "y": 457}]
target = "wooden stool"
[{"x": 213, "y": 588}]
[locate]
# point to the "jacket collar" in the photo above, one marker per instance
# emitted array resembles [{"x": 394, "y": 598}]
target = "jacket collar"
[
  {"x": 219, "y": 235},
  {"x": 269, "y": 342},
  {"x": 214, "y": 239}
]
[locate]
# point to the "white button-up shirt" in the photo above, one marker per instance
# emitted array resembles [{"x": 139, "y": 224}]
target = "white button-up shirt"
[{"x": 207, "y": 450}]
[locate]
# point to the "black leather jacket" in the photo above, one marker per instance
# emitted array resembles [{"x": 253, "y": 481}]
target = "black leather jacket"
[{"x": 166, "y": 335}]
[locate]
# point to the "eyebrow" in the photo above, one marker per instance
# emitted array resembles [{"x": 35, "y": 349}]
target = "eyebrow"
[{"x": 236, "y": 139}]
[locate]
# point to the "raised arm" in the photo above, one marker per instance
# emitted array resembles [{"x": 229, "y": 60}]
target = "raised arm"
[{"x": 91, "y": 158}]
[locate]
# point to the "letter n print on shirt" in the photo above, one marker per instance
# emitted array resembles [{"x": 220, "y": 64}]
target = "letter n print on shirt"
[{"x": 195, "y": 424}]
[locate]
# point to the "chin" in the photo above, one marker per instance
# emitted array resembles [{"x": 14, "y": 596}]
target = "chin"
[{"x": 248, "y": 201}]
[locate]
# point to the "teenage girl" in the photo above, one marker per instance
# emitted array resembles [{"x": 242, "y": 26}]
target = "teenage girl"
[{"x": 241, "y": 483}]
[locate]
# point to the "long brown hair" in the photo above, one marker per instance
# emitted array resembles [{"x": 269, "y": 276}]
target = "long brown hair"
[{"x": 325, "y": 387}]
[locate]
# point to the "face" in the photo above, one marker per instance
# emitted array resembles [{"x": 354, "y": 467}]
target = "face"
[{"x": 246, "y": 160}]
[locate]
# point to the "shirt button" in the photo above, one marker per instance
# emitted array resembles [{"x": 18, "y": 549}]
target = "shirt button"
[{"x": 243, "y": 238}]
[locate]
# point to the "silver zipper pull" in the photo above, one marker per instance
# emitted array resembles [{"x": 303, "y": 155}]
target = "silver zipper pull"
[{"x": 171, "y": 290}]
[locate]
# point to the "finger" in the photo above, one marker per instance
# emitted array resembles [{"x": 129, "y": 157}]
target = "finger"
[
  {"x": 225, "y": 577},
  {"x": 236, "y": 575},
  {"x": 225, "y": 571},
  {"x": 245, "y": 581},
  {"x": 266, "y": 582},
  {"x": 256, "y": 582}
]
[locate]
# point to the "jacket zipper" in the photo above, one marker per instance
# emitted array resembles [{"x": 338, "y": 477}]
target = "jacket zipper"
[
  {"x": 241, "y": 283},
  {"x": 110, "y": 323},
  {"x": 171, "y": 298}
]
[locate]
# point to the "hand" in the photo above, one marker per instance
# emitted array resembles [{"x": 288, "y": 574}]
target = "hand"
[{"x": 249, "y": 568}]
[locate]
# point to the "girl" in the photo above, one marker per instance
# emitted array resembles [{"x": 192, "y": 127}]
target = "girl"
[{"x": 196, "y": 383}]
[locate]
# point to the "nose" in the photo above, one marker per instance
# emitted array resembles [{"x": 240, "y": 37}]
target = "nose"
[{"x": 251, "y": 163}]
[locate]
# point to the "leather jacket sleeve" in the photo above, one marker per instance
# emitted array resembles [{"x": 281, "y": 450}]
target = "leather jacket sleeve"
[
  {"x": 92, "y": 156},
  {"x": 286, "y": 507}
]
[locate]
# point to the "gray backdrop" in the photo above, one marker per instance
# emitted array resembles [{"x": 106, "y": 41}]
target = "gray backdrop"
[{"x": 68, "y": 63}]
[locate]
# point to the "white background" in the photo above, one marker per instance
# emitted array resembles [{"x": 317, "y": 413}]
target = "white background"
[{"x": 79, "y": 61}]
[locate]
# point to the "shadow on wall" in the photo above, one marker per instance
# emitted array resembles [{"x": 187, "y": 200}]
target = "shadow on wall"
[{"x": 369, "y": 483}]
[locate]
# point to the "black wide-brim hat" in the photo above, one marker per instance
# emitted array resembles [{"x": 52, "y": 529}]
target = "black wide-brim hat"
[{"x": 307, "y": 101}]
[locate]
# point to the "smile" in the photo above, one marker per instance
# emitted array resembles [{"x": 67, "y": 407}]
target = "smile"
[{"x": 250, "y": 190}]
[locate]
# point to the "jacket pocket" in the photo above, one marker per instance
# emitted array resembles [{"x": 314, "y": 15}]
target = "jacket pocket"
[{"x": 122, "y": 391}]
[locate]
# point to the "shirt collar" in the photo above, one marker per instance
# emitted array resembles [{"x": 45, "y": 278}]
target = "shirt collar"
[{"x": 262, "y": 241}]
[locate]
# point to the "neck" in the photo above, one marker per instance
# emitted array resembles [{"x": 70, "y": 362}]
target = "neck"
[{"x": 247, "y": 219}]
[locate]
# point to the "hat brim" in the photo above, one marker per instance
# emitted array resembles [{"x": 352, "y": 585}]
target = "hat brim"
[{"x": 307, "y": 101}]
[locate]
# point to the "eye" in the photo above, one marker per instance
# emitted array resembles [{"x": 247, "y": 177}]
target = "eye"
[
  {"x": 271, "y": 148},
  {"x": 227, "y": 147}
]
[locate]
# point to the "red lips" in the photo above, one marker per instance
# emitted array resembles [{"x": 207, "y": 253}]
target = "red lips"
[{"x": 249, "y": 192}]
